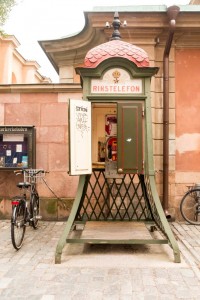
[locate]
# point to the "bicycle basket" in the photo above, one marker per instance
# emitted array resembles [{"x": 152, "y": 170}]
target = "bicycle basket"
[{"x": 33, "y": 175}]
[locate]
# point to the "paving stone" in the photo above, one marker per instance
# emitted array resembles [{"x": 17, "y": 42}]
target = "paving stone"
[
  {"x": 148, "y": 280},
  {"x": 166, "y": 289},
  {"x": 95, "y": 295},
  {"x": 4, "y": 282},
  {"x": 175, "y": 275},
  {"x": 166, "y": 297},
  {"x": 63, "y": 297},
  {"x": 185, "y": 293},
  {"x": 150, "y": 290},
  {"x": 125, "y": 297},
  {"x": 160, "y": 281},
  {"x": 110, "y": 297},
  {"x": 126, "y": 288},
  {"x": 187, "y": 272},
  {"x": 48, "y": 297}
]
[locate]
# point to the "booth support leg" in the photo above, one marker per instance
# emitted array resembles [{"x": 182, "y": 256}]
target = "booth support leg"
[
  {"x": 70, "y": 221},
  {"x": 167, "y": 229}
]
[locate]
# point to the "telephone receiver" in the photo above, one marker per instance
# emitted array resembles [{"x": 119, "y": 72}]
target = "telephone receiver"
[{"x": 109, "y": 152}]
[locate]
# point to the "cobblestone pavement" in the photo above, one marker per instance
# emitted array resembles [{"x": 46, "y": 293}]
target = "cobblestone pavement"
[
  {"x": 96, "y": 272},
  {"x": 189, "y": 242}
]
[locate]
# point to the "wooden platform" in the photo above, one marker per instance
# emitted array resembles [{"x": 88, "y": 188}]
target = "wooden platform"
[{"x": 114, "y": 232}]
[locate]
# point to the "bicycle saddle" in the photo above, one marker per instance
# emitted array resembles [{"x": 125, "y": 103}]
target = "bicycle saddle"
[{"x": 23, "y": 185}]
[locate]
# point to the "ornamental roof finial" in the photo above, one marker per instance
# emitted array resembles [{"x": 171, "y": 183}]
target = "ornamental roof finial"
[{"x": 116, "y": 25}]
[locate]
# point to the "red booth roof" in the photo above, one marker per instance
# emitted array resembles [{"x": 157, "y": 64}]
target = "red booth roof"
[{"x": 116, "y": 48}]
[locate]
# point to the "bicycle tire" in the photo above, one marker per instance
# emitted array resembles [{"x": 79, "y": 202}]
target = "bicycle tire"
[
  {"x": 18, "y": 226},
  {"x": 34, "y": 210},
  {"x": 189, "y": 207}
]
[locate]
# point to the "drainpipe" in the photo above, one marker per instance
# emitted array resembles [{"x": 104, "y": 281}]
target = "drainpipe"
[{"x": 172, "y": 13}]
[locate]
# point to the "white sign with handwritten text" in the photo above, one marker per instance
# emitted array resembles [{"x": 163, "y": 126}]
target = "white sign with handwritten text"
[{"x": 80, "y": 137}]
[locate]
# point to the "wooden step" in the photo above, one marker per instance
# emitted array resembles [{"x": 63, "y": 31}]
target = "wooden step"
[{"x": 114, "y": 232}]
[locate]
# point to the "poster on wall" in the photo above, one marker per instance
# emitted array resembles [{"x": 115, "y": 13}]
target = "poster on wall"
[
  {"x": 13, "y": 147},
  {"x": 17, "y": 146},
  {"x": 80, "y": 137}
]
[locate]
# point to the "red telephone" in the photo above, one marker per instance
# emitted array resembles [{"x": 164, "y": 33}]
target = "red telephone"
[{"x": 111, "y": 148}]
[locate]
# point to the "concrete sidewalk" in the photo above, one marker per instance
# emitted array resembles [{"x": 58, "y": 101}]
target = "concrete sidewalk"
[{"x": 97, "y": 271}]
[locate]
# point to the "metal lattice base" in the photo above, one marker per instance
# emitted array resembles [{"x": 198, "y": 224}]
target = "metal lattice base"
[{"x": 114, "y": 199}]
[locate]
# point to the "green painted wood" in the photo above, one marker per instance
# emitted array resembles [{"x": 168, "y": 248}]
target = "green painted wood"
[
  {"x": 149, "y": 162},
  {"x": 114, "y": 242},
  {"x": 69, "y": 223},
  {"x": 166, "y": 227},
  {"x": 130, "y": 137}
]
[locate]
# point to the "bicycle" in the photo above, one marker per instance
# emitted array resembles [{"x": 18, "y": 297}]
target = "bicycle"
[
  {"x": 22, "y": 213},
  {"x": 190, "y": 205}
]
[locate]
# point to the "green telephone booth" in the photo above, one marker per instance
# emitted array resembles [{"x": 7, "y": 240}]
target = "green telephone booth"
[{"x": 111, "y": 150}]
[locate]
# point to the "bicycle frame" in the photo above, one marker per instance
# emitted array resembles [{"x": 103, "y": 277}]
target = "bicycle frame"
[
  {"x": 22, "y": 212},
  {"x": 22, "y": 198}
]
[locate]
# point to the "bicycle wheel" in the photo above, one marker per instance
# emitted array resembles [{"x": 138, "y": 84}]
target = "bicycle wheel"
[
  {"x": 190, "y": 207},
  {"x": 18, "y": 225},
  {"x": 34, "y": 210}
]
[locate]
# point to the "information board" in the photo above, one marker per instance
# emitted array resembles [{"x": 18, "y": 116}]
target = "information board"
[
  {"x": 80, "y": 137},
  {"x": 17, "y": 147}
]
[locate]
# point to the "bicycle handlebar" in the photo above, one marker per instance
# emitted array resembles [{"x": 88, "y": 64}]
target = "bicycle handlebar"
[{"x": 32, "y": 172}]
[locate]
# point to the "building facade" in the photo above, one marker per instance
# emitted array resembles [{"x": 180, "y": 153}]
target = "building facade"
[
  {"x": 46, "y": 105},
  {"x": 14, "y": 68}
]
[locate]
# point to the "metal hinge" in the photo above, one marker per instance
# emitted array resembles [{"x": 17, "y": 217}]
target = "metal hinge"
[
  {"x": 143, "y": 111},
  {"x": 143, "y": 165}
]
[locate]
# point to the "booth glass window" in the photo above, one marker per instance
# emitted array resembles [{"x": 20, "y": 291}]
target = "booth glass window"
[{"x": 17, "y": 147}]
